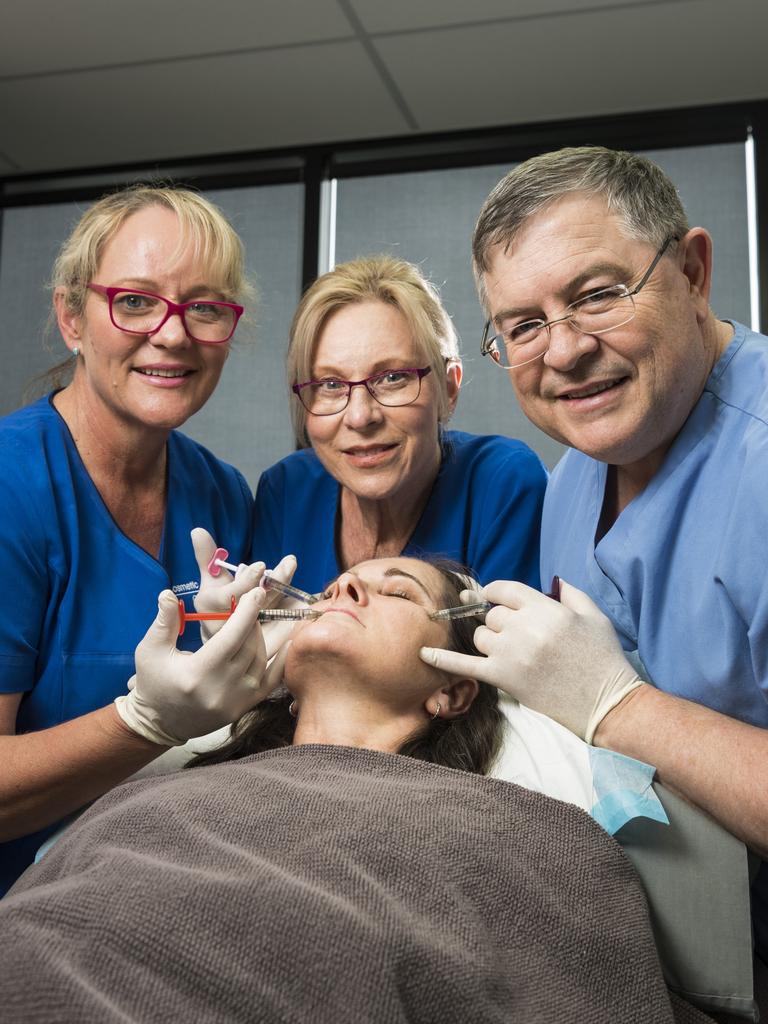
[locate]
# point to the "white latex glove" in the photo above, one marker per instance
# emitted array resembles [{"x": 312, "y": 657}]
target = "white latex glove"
[
  {"x": 216, "y": 592},
  {"x": 176, "y": 695},
  {"x": 561, "y": 659}
]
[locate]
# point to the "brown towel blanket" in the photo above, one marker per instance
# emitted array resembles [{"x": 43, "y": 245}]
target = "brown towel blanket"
[{"x": 325, "y": 884}]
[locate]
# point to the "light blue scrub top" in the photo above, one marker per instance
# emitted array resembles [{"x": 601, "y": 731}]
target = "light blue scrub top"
[
  {"x": 683, "y": 572},
  {"x": 77, "y": 595},
  {"x": 484, "y": 511}
]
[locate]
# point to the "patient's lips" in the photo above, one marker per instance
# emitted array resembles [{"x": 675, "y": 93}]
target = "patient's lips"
[{"x": 343, "y": 611}]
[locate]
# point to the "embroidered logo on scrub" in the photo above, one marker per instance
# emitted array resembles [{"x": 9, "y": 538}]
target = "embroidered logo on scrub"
[{"x": 186, "y": 588}]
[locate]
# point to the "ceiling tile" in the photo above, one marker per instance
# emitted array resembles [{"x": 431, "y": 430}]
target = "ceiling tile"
[
  {"x": 98, "y": 33},
  {"x": 404, "y": 15},
  {"x": 216, "y": 105},
  {"x": 605, "y": 62}
]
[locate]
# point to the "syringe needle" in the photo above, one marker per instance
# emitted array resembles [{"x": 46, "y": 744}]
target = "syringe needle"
[
  {"x": 462, "y": 611},
  {"x": 270, "y": 583}
]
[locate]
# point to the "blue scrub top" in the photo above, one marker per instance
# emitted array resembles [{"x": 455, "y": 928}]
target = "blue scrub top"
[
  {"x": 682, "y": 571},
  {"x": 484, "y": 511},
  {"x": 77, "y": 594}
]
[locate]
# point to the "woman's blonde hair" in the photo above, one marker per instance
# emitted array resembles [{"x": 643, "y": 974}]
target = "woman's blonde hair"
[
  {"x": 203, "y": 226},
  {"x": 387, "y": 279}
]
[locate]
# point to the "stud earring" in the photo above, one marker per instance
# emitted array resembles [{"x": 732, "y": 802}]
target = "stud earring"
[
  {"x": 293, "y": 709},
  {"x": 75, "y": 352},
  {"x": 437, "y": 712}
]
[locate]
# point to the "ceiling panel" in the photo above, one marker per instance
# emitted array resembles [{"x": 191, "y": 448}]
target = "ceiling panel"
[
  {"x": 403, "y": 15},
  {"x": 607, "y": 62},
  {"x": 169, "y": 80},
  {"x": 216, "y": 105},
  {"x": 96, "y": 33}
]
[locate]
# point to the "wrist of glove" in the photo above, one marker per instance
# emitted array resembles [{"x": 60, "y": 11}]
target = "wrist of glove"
[
  {"x": 609, "y": 692},
  {"x": 142, "y": 719}
]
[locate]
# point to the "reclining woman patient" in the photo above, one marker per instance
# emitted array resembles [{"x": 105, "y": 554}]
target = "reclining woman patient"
[{"x": 345, "y": 859}]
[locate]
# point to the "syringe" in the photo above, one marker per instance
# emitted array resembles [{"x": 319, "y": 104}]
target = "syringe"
[
  {"x": 270, "y": 583},
  {"x": 265, "y": 615},
  {"x": 480, "y": 608},
  {"x": 462, "y": 611},
  {"x": 218, "y": 562}
]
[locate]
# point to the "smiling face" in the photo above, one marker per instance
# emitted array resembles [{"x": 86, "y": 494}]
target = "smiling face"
[
  {"x": 621, "y": 396},
  {"x": 155, "y": 381},
  {"x": 375, "y": 619},
  {"x": 378, "y": 453}
]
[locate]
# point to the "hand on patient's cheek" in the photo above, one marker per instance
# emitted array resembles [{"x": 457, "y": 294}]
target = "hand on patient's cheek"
[{"x": 562, "y": 659}]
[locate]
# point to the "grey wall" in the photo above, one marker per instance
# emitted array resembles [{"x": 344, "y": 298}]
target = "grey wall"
[
  {"x": 30, "y": 240},
  {"x": 247, "y": 422}
]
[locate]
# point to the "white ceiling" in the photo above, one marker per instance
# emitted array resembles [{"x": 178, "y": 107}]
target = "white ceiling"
[{"x": 85, "y": 83}]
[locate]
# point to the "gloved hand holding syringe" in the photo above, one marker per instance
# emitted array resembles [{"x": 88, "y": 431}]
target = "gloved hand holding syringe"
[
  {"x": 561, "y": 658},
  {"x": 268, "y": 581},
  {"x": 265, "y": 615},
  {"x": 176, "y": 695},
  {"x": 213, "y": 601}
]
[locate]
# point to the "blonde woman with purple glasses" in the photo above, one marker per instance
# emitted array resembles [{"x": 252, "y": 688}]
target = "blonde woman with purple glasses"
[{"x": 374, "y": 372}]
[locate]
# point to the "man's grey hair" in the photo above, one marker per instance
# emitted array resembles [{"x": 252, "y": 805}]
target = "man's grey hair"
[{"x": 632, "y": 186}]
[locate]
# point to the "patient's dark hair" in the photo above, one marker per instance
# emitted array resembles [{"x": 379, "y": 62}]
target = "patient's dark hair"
[{"x": 468, "y": 743}]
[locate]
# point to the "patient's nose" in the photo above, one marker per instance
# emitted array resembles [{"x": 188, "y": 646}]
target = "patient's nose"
[{"x": 350, "y": 585}]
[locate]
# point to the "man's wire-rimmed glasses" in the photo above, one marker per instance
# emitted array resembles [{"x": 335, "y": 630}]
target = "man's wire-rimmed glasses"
[
  {"x": 388, "y": 387},
  {"x": 207, "y": 322},
  {"x": 596, "y": 313}
]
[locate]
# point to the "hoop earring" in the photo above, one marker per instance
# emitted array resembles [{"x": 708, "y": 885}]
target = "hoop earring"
[
  {"x": 75, "y": 352},
  {"x": 437, "y": 712},
  {"x": 293, "y": 709}
]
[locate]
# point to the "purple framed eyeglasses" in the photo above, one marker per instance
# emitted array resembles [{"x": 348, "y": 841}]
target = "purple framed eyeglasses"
[
  {"x": 389, "y": 387},
  {"x": 206, "y": 321}
]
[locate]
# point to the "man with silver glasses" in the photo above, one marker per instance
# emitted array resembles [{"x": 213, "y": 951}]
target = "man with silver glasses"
[{"x": 596, "y": 290}]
